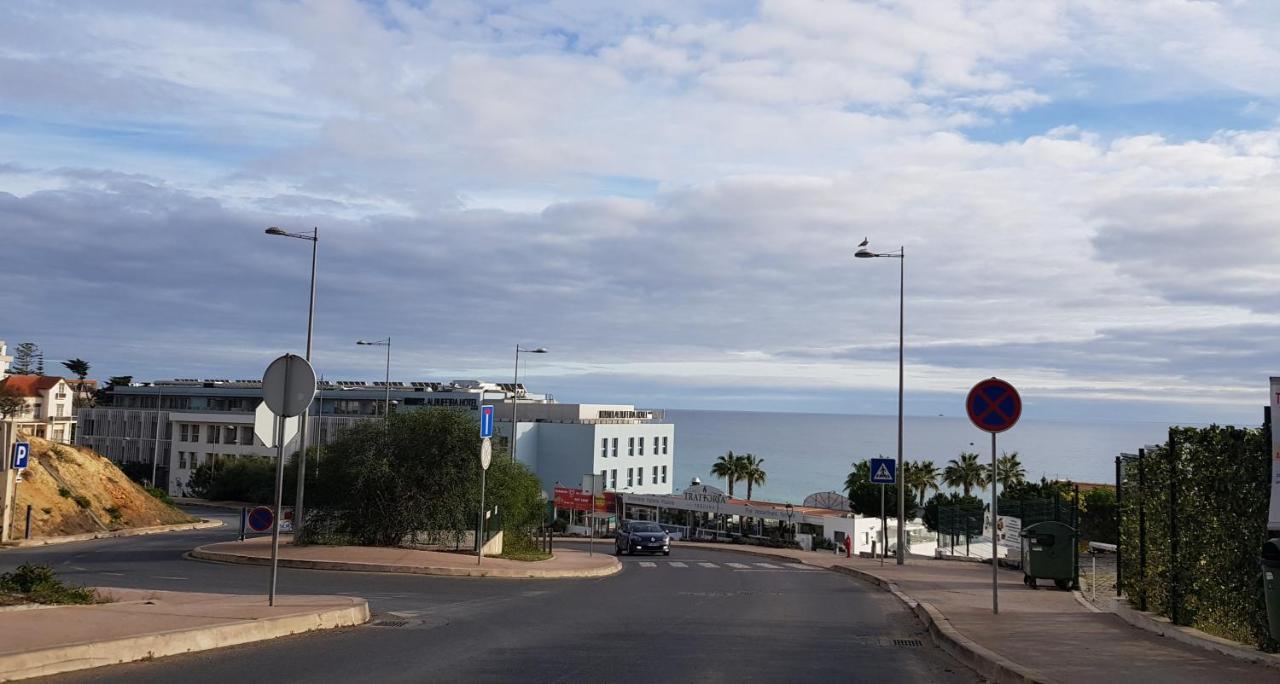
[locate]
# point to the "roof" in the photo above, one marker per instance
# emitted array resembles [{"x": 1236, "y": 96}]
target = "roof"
[{"x": 31, "y": 385}]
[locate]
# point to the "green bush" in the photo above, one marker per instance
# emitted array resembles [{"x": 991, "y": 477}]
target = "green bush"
[
  {"x": 39, "y": 584},
  {"x": 382, "y": 481},
  {"x": 114, "y": 512},
  {"x": 160, "y": 494},
  {"x": 82, "y": 500},
  {"x": 64, "y": 492},
  {"x": 1221, "y": 479}
]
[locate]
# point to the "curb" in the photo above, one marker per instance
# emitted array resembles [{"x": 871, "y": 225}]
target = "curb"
[
  {"x": 157, "y": 645},
  {"x": 1190, "y": 635},
  {"x": 980, "y": 659},
  {"x": 1079, "y": 597},
  {"x": 202, "y": 553},
  {"x": 89, "y": 536}
]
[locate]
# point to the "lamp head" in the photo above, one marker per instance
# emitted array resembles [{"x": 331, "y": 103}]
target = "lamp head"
[
  {"x": 539, "y": 350},
  {"x": 275, "y": 231},
  {"x": 864, "y": 253}
]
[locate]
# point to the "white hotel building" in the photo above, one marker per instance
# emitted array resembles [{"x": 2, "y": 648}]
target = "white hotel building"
[{"x": 207, "y": 421}]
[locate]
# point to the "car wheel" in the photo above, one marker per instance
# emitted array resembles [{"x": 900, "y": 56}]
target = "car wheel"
[{"x": 666, "y": 553}]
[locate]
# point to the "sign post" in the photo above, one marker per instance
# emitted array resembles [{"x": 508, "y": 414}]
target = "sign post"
[
  {"x": 884, "y": 473},
  {"x": 486, "y": 455},
  {"x": 994, "y": 406},
  {"x": 288, "y": 388}
]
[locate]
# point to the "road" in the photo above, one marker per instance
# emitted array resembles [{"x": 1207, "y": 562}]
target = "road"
[{"x": 697, "y": 615}]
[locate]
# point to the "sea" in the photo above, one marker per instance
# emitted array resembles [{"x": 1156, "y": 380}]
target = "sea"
[{"x": 806, "y": 453}]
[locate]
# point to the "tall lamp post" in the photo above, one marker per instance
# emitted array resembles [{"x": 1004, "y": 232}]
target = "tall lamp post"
[
  {"x": 314, "y": 237},
  {"x": 386, "y": 382},
  {"x": 515, "y": 397},
  {"x": 901, "y": 256}
]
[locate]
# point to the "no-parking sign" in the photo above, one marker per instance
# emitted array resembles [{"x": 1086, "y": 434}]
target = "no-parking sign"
[{"x": 993, "y": 405}]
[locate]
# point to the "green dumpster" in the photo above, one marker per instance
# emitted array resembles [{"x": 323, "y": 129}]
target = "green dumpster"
[
  {"x": 1049, "y": 552},
  {"x": 1270, "y": 559}
]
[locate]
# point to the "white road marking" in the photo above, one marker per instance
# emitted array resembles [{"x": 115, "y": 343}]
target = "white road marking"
[
  {"x": 113, "y": 574},
  {"x": 648, "y": 564},
  {"x": 405, "y": 613},
  {"x": 800, "y": 566},
  {"x": 740, "y": 566},
  {"x": 709, "y": 565},
  {"x": 677, "y": 564},
  {"x": 182, "y": 579},
  {"x": 767, "y": 565}
]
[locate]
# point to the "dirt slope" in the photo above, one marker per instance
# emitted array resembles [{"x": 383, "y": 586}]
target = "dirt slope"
[{"x": 73, "y": 490}]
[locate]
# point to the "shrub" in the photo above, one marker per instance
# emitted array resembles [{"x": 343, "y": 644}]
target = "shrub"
[
  {"x": 114, "y": 512},
  {"x": 161, "y": 495},
  {"x": 64, "y": 492},
  {"x": 46, "y": 510},
  {"x": 39, "y": 584},
  {"x": 82, "y": 500}
]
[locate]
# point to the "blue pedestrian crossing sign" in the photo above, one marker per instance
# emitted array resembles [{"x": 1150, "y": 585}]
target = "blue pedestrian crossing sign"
[
  {"x": 486, "y": 421},
  {"x": 884, "y": 471},
  {"x": 21, "y": 452}
]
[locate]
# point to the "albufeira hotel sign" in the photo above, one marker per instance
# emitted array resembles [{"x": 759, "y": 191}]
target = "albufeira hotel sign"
[{"x": 1273, "y": 516}]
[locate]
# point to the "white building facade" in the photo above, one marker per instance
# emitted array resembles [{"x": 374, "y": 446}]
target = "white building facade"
[
  {"x": 633, "y": 449},
  {"x": 47, "y": 410}
]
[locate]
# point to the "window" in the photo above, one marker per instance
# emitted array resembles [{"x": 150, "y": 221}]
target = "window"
[
  {"x": 641, "y": 451},
  {"x": 655, "y": 475},
  {"x": 631, "y": 446},
  {"x": 182, "y": 432},
  {"x": 664, "y": 446},
  {"x": 613, "y": 477},
  {"x": 229, "y": 434},
  {"x": 211, "y": 434},
  {"x": 604, "y": 448},
  {"x": 182, "y": 459},
  {"x": 615, "y": 449},
  {"x": 59, "y": 409},
  {"x": 629, "y": 477},
  {"x": 246, "y": 437},
  {"x": 604, "y": 477}
]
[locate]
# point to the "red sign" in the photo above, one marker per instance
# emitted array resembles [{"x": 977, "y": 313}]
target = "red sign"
[
  {"x": 993, "y": 405},
  {"x": 581, "y": 500}
]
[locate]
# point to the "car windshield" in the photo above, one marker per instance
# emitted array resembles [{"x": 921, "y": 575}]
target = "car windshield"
[{"x": 645, "y": 527}]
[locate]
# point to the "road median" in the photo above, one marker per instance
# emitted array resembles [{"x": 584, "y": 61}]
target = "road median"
[
  {"x": 144, "y": 624},
  {"x": 564, "y": 564},
  {"x": 112, "y": 534}
]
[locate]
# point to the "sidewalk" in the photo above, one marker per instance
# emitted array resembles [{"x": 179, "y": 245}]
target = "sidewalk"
[
  {"x": 1040, "y": 635},
  {"x": 143, "y": 624},
  {"x": 564, "y": 564}
]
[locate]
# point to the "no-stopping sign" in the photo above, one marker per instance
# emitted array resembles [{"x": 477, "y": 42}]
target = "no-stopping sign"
[{"x": 993, "y": 405}]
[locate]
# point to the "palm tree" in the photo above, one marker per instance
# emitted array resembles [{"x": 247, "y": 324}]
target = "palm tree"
[
  {"x": 921, "y": 477},
  {"x": 752, "y": 471},
  {"x": 965, "y": 473},
  {"x": 1009, "y": 470},
  {"x": 728, "y": 467}
]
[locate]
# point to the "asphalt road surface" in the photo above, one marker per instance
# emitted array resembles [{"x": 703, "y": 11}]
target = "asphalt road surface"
[{"x": 697, "y": 615}]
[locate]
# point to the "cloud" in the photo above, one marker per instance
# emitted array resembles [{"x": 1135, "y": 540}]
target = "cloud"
[{"x": 667, "y": 192}]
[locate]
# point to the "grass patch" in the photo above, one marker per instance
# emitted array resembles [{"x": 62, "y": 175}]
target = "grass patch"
[{"x": 38, "y": 584}]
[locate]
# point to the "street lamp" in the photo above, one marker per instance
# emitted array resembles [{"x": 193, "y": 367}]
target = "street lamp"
[
  {"x": 515, "y": 397},
  {"x": 901, "y": 256},
  {"x": 314, "y": 237},
  {"x": 387, "y": 379}
]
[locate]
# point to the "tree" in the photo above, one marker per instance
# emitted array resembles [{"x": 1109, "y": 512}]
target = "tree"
[
  {"x": 961, "y": 514},
  {"x": 381, "y": 481},
  {"x": 752, "y": 472},
  {"x": 1009, "y": 470},
  {"x": 965, "y": 473},
  {"x": 25, "y": 358},
  {"x": 729, "y": 468},
  {"x": 864, "y": 497},
  {"x": 11, "y": 402},
  {"x": 103, "y": 395},
  {"x": 1044, "y": 489},
  {"x": 921, "y": 476},
  {"x": 81, "y": 369}
]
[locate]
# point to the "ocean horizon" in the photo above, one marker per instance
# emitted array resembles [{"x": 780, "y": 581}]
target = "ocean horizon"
[{"x": 806, "y": 453}]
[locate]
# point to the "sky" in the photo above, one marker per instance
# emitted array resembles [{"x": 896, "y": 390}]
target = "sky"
[{"x": 666, "y": 194}]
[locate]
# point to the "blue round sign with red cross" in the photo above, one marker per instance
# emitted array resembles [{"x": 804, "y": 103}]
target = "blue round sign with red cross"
[
  {"x": 993, "y": 405},
  {"x": 261, "y": 519}
]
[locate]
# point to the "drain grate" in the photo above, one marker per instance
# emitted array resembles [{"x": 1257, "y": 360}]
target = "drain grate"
[
  {"x": 390, "y": 623},
  {"x": 908, "y": 643}
]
